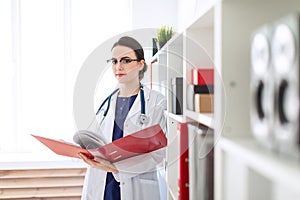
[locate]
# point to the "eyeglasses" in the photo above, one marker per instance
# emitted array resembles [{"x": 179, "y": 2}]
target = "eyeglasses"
[{"x": 124, "y": 60}]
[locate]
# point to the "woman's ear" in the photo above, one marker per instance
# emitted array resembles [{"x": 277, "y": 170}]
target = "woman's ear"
[{"x": 142, "y": 64}]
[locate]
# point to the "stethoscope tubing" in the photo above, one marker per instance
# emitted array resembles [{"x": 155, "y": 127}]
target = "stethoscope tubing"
[{"x": 108, "y": 99}]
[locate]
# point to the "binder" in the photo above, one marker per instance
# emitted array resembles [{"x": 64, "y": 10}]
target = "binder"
[
  {"x": 177, "y": 95},
  {"x": 140, "y": 142},
  {"x": 183, "y": 182}
]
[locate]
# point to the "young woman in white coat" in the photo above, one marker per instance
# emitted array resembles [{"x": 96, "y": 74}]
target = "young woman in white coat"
[{"x": 121, "y": 115}]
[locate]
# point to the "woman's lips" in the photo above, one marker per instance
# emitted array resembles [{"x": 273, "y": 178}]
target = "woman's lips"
[{"x": 120, "y": 75}]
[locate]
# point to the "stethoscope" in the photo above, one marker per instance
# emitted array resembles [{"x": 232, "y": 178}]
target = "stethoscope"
[{"x": 143, "y": 117}]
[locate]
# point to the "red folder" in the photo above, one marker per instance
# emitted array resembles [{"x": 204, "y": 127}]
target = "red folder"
[
  {"x": 183, "y": 182},
  {"x": 143, "y": 141}
]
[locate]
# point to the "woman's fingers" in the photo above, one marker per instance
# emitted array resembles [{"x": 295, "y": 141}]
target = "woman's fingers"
[
  {"x": 106, "y": 164},
  {"x": 84, "y": 158},
  {"x": 99, "y": 163}
]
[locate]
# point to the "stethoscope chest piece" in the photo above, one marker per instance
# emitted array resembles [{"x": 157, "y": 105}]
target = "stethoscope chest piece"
[{"x": 143, "y": 119}]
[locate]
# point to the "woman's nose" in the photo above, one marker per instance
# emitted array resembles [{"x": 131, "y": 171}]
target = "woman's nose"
[{"x": 119, "y": 66}]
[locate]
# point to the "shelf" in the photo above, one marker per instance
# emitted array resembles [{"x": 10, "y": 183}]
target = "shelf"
[
  {"x": 205, "y": 119},
  {"x": 178, "y": 118},
  {"x": 164, "y": 48},
  {"x": 271, "y": 165},
  {"x": 155, "y": 57}
]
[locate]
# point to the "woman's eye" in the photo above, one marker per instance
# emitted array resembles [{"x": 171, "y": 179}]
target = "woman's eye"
[
  {"x": 114, "y": 62},
  {"x": 126, "y": 60}
]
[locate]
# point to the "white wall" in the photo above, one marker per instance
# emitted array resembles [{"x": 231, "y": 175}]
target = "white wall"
[{"x": 151, "y": 15}]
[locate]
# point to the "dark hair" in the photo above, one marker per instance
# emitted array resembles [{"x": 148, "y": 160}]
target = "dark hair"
[{"x": 136, "y": 47}]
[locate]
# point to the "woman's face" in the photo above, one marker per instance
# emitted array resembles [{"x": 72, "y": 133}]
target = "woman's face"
[{"x": 125, "y": 65}]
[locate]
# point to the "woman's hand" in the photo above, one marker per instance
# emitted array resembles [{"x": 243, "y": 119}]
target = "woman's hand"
[{"x": 99, "y": 163}]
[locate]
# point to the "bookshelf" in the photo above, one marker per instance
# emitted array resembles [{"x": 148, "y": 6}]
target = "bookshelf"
[{"x": 218, "y": 36}]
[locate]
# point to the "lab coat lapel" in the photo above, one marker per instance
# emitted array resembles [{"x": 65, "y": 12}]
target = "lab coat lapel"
[{"x": 111, "y": 116}]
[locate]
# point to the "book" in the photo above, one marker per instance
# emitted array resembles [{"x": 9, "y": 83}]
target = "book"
[{"x": 140, "y": 142}]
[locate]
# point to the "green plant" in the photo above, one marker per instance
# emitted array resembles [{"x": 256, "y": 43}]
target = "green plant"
[{"x": 164, "y": 34}]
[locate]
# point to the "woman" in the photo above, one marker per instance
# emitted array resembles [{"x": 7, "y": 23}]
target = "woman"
[{"x": 141, "y": 180}]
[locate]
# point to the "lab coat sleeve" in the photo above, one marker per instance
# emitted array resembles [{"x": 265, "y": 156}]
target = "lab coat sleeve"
[{"x": 146, "y": 162}]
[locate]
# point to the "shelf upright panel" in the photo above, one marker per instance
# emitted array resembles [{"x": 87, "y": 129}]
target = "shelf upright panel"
[{"x": 173, "y": 51}]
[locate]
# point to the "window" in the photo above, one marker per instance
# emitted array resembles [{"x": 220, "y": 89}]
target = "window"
[{"x": 43, "y": 45}]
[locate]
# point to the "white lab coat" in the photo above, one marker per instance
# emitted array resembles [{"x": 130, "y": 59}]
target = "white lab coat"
[{"x": 144, "y": 180}]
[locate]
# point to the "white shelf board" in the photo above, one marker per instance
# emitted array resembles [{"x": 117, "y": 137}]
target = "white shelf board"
[
  {"x": 164, "y": 48},
  {"x": 203, "y": 118},
  {"x": 269, "y": 164},
  {"x": 178, "y": 118},
  {"x": 154, "y": 58}
]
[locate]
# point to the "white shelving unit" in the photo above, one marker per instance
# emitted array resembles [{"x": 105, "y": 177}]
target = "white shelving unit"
[
  {"x": 218, "y": 36},
  {"x": 243, "y": 169},
  {"x": 176, "y": 59}
]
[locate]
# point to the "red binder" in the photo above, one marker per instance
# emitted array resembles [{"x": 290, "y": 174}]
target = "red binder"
[
  {"x": 143, "y": 141},
  {"x": 202, "y": 76},
  {"x": 183, "y": 182}
]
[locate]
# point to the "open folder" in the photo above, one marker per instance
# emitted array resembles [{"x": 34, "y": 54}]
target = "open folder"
[{"x": 140, "y": 142}]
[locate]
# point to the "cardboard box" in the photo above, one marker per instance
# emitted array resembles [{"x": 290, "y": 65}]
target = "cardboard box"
[{"x": 204, "y": 103}]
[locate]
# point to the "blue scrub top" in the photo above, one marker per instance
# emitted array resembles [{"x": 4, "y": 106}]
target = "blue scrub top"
[{"x": 112, "y": 187}]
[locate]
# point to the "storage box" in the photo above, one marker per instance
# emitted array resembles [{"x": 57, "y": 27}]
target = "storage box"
[
  {"x": 202, "y": 76},
  {"x": 177, "y": 95},
  {"x": 204, "y": 103}
]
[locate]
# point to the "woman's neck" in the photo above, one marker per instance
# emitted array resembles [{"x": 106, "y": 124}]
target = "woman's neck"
[{"x": 129, "y": 89}]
